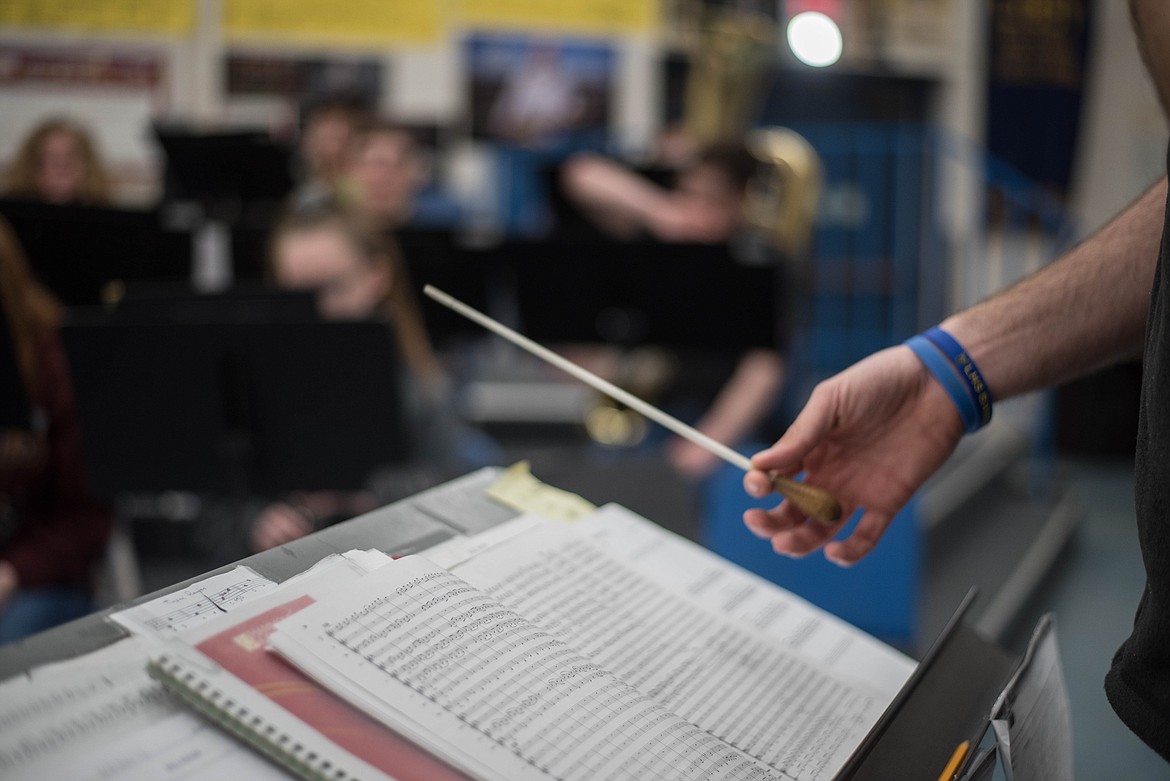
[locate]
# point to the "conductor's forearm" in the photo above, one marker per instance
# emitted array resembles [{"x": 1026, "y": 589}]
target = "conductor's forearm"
[{"x": 1085, "y": 311}]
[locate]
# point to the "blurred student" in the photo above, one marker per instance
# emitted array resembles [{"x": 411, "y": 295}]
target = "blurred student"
[
  {"x": 389, "y": 180},
  {"x": 52, "y": 532},
  {"x": 59, "y": 163},
  {"x": 386, "y": 170},
  {"x": 330, "y": 125},
  {"x": 705, "y": 205},
  {"x": 356, "y": 275}
]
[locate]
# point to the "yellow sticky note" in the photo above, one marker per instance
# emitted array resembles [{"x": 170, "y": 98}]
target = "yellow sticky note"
[{"x": 518, "y": 489}]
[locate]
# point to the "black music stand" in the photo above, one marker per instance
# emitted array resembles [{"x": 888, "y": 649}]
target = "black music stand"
[
  {"x": 244, "y": 165},
  {"x": 240, "y": 180},
  {"x": 436, "y": 256},
  {"x": 236, "y": 408},
  {"x": 168, "y": 302},
  {"x": 945, "y": 701},
  {"x": 76, "y": 251},
  {"x": 688, "y": 296}
]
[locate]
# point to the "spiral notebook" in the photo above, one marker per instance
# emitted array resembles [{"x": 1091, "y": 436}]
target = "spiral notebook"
[
  {"x": 302, "y": 752},
  {"x": 224, "y": 672}
]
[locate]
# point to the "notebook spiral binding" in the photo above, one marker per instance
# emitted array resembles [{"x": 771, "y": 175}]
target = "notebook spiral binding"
[{"x": 215, "y": 705}]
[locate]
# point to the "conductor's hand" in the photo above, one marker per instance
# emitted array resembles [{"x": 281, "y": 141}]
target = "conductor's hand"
[{"x": 871, "y": 436}]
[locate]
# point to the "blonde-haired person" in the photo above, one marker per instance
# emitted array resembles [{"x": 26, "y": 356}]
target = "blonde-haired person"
[
  {"x": 52, "y": 532},
  {"x": 357, "y": 273},
  {"x": 59, "y": 163}
]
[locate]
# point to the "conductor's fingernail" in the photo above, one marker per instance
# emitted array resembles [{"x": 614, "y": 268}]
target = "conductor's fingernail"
[
  {"x": 757, "y": 528},
  {"x": 840, "y": 562},
  {"x": 789, "y": 553},
  {"x": 757, "y": 485}
]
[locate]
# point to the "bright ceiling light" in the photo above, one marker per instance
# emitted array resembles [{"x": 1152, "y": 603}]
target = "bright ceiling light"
[{"x": 814, "y": 38}]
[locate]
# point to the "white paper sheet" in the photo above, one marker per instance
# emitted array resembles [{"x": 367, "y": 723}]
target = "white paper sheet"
[
  {"x": 180, "y": 610},
  {"x": 1032, "y": 719},
  {"x": 735, "y": 683},
  {"x": 680, "y": 565},
  {"x": 101, "y": 717},
  {"x": 436, "y": 659}
]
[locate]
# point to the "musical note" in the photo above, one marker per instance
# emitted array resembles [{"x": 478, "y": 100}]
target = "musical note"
[
  {"x": 492, "y": 687},
  {"x": 179, "y": 610}
]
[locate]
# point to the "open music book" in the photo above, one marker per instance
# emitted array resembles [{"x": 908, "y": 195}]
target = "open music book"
[{"x": 602, "y": 649}]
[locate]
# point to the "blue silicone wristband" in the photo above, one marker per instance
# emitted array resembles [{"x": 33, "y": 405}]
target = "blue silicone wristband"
[
  {"x": 944, "y": 371},
  {"x": 967, "y": 369}
]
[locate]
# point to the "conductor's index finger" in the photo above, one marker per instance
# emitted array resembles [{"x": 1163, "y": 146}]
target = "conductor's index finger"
[{"x": 807, "y": 430}]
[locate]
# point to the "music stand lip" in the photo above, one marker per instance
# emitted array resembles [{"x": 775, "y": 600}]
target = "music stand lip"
[{"x": 897, "y": 705}]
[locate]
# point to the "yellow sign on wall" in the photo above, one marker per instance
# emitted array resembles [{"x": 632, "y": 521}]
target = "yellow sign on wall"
[
  {"x": 592, "y": 16},
  {"x": 168, "y": 17},
  {"x": 342, "y": 21},
  {"x": 345, "y": 21}
]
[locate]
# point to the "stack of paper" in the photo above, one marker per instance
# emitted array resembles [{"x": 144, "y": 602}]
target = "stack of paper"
[{"x": 605, "y": 648}]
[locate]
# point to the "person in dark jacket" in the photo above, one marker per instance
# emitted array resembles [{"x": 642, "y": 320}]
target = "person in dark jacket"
[
  {"x": 52, "y": 531},
  {"x": 874, "y": 433}
]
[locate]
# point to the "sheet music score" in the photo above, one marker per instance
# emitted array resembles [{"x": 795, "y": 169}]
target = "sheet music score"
[
  {"x": 743, "y": 597},
  {"x": 732, "y": 682},
  {"x": 439, "y": 660},
  {"x": 178, "y": 611},
  {"x": 101, "y": 717},
  {"x": 682, "y": 566},
  {"x": 253, "y": 694}
]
